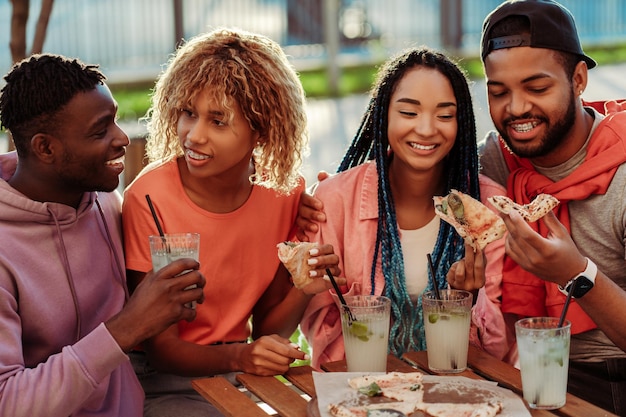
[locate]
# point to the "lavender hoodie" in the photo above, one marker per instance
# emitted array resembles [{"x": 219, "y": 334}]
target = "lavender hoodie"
[{"x": 61, "y": 278}]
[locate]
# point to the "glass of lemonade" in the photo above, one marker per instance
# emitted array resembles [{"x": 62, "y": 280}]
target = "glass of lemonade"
[
  {"x": 366, "y": 338},
  {"x": 544, "y": 360},
  {"x": 171, "y": 247},
  {"x": 447, "y": 324}
]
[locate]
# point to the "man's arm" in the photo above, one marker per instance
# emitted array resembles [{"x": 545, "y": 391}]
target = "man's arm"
[{"x": 557, "y": 259}]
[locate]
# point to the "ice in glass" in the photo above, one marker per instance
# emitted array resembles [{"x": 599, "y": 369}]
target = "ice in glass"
[{"x": 544, "y": 360}]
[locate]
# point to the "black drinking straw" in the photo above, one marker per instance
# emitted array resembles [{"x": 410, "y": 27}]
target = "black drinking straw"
[
  {"x": 154, "y": 216},
  {"x": 567, "y": 301},
  {"x": 340, "y": 295},
  {"x": 432, "y": 272}
]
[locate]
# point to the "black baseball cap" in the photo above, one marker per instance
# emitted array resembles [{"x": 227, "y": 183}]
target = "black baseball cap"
[{"x": 552, "y": 26}]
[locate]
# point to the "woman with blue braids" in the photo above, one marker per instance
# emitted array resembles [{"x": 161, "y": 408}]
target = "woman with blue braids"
[{"x": 416, "y": 140}]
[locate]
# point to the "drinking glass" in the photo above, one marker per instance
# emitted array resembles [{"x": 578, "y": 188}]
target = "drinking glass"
[
  {"x": 447, "y": 324},
  {"x": 544, "y": 360},
  {"x": 366, "y": 338},
  {"x": 171, "y": 247}
]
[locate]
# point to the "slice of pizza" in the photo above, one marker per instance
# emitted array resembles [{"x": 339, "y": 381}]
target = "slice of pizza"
[
  {"x": 473, "y": 221},
  {"x": 487, "y": 409},
  {"x": 531, "y": 212},
  {"x": 397, "y": 391},
  {"x": 345, "y": 410},
  {"x": 295, "y": 257},
  {"x": 398, "y": 386}
]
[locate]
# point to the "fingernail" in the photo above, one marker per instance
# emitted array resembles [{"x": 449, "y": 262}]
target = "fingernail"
[
  {"x": 314, "y": 252},
  {"x": 307, "y": 357},
  {"x": 312, "y": 261},
  {"x": 313, "y": 273},
  {"x": 293, "y": 345}
]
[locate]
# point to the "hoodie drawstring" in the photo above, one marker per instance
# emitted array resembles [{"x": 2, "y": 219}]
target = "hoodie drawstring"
[
  {"x": 68, "y": 270},
  {"x": 68, "y": 273},
  {"x": 118, "y": 263}
]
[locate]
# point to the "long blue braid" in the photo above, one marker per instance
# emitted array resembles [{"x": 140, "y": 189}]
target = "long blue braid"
[{"x": 371, "y": 143}]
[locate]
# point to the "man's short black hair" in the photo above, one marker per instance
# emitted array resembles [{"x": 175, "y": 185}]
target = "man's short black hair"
[{"x": 37, "y": 88}]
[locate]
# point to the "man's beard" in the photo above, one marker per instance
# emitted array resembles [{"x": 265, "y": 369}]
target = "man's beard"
[
  {"x": 554, "y": 136},
  {"x": 83, "y": 176}
]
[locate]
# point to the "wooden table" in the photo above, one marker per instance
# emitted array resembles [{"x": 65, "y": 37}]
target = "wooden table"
[{"x": 289, "y": 401}]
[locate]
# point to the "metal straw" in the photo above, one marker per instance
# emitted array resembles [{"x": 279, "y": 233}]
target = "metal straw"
[
  {"x": 341, "y": 299},
  {"x": 154, "y": 216},
  {"x": 567, "y": 301},
  {"x": 432, "y": 273},
  {"x": 159, "y": 228}
]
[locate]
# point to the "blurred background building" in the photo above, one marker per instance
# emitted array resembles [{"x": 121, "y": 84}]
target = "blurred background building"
[{"x": 131, "y": 39}]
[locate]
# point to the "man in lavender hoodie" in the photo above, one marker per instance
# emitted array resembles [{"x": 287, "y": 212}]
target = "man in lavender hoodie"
[{"x": 67, "y": 321}]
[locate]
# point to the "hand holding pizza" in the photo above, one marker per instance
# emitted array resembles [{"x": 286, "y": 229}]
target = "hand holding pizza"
[
  {"x": 307, "y": 263},
  {"x": 473, "y": 221},
  {"x": 468, "y": 273},
  {"x": 554, "y": 258}
]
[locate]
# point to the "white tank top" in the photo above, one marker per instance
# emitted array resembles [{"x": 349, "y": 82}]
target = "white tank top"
[{"x": 416, "y": 244}]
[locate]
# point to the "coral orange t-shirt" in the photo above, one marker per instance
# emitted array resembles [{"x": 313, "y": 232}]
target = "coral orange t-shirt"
[{"x": 238, "y": 254}]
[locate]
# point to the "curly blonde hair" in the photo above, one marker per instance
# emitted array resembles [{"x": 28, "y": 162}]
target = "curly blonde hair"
[{"x": 235, "y": 67}]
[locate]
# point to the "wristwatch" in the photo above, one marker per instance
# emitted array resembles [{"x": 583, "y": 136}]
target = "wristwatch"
[{"x": 584, "y": 281}]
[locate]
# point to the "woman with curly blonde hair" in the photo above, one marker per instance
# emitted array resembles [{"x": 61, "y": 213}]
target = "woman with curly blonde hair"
[
  {"x": 227, "y": 134},
  {"x": 236, "y": 68}
]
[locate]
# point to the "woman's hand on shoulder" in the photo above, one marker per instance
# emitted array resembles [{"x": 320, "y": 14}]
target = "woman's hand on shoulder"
[{"x": 310, "y": 211}]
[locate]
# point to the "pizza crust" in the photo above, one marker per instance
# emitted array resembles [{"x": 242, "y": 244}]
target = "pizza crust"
[
  {"x": 474, "y": 222},
  {"x": 531, "y": 212},
  {"x": 295, "y": 257}
]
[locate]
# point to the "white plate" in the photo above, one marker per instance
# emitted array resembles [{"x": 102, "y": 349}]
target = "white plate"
[{"x": 332, "y": 387}]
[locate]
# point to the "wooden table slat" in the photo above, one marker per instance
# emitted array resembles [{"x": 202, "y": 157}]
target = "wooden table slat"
[
  {"x": 393, "y": 364},
  {"x": 227, "y": 399},
  {"x": 420, "y": 360},
  {"x": 286, "y": 401},
  {"x": 302, "y": 377}
]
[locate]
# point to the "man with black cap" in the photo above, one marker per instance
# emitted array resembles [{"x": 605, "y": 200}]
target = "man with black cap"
[{"x": 550, "y": 141}]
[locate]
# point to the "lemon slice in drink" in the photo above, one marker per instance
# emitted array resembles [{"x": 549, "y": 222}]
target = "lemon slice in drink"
[{"x": 360, "y": 330}]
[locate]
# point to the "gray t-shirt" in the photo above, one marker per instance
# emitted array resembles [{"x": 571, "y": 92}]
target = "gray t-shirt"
[{"x": 597, "y": 225}]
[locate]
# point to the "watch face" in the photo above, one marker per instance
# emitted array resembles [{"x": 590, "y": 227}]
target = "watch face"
[{"x": 583, "y": 285}]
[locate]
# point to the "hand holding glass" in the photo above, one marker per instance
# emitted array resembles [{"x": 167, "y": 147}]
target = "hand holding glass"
[{"x": 171, "y": 247}]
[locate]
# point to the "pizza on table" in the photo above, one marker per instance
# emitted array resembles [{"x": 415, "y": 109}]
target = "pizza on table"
[{"x": 404, "y": 392}]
